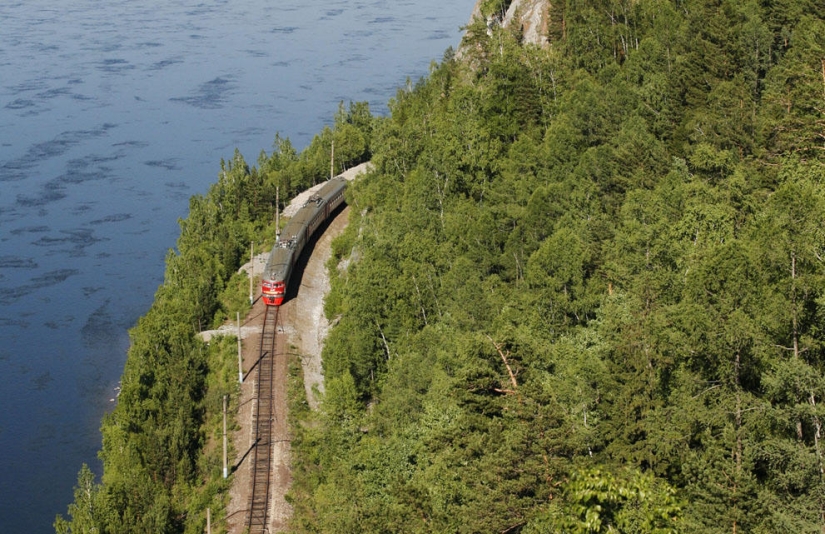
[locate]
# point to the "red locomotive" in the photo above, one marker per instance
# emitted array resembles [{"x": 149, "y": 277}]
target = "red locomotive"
[{"x": 298, "y": 231}]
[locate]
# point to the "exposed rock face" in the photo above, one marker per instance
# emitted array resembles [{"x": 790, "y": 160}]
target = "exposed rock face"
[{"x": 531, "y": 15}]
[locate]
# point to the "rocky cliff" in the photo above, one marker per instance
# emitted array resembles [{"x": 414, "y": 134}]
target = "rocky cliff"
[{"x": 531, "y": 15}]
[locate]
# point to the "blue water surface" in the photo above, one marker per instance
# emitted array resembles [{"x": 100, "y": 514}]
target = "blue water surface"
[{"x": 112, "y": 114}]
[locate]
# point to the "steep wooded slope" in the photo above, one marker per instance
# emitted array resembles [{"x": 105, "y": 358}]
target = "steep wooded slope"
[
  {"x": 161, "y": 458},
  {"x": 585, "y": 284}
]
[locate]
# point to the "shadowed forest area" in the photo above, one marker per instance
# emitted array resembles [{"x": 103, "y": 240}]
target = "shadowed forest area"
[{"x": 582, "y": 291}]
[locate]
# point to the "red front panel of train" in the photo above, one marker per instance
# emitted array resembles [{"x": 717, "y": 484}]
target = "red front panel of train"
[{"x": 273, "y": 292}]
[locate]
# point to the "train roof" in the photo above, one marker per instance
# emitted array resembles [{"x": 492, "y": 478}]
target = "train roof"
[
  {"x": 332, "y": 186},
  {"x": 279, "y": 261},
  {"x": 281, "y": 256}
]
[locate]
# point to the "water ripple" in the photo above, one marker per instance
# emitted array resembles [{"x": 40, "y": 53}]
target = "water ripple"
[
  {"x": 210, "y": 95},
  {"x": 9, "y": 295},
  {"x": 16, "y": 262},
  {"x": 117, "y": 217},
  {"x": 16, "y": 169}
]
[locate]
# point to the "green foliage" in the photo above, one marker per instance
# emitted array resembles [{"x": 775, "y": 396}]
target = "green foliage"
[
  {"x": 161, "y": 464},
  {"x": 491, "y": 8},
  {"x": 234, "y": 299},
  {"x": 583, "y": 289},
  {"x": 602, "y": 501},
  {"x": 87, "y": 509}
]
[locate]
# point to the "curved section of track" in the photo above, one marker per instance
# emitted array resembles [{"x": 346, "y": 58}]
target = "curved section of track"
[{"x": 264, "y": 421}]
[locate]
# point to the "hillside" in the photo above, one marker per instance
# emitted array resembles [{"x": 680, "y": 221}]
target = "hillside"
[
  {"x": 581, "y": 291},
  {"x": 584, "y": 285},
  {"x": 162, "y": 459}
]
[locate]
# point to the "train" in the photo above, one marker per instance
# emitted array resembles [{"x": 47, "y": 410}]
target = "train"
[{"x": 299, "y": 230}]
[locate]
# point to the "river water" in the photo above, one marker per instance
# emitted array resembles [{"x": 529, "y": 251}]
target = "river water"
[{"x": 112, "y": 114}]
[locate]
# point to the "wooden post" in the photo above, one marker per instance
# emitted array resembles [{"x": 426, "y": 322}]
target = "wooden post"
[
  {"x": 225, "y": 470},
  {"x": 240, "y": 358},
  {"x": 251, "y": 273},
  {"x": 208, "y": 521},
  {"x": 278, "y": 214}
]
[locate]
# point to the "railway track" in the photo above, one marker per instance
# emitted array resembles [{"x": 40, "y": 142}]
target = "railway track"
[{"x": 264, "y": 421}]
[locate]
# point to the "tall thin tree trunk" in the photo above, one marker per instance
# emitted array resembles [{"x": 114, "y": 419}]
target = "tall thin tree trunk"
[
  {"x": 737, "y": 454},
  {"x": 793, "y": 306},
  {"x": 817, "y": 437}
]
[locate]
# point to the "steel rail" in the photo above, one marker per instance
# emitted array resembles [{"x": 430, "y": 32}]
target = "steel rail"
[{"x": 262, "y": 457}]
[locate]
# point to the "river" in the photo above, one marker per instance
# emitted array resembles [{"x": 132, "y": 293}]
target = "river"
[{"x": 112, "y": 114}]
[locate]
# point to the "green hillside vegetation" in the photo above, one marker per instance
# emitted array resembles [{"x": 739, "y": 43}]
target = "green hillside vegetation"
[
  {"x": 583, "y": 293},
  {"x": 162, "y": 456},
  {"x": 585, "y": 285}
]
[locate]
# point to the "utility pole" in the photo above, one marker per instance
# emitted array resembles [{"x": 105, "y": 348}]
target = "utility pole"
[
  {"x": 240, "y": 359},
  {"x": 332, "y": 161},
  {"x": 277, "y": 214},
  {"x": 251, "y": 272},
  {"x": 225, "y": 470}
]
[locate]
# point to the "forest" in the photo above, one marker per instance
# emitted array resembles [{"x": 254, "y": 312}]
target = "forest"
[
  {"x": 583, "y": 291},
  {"x": 161, "y": 453}
]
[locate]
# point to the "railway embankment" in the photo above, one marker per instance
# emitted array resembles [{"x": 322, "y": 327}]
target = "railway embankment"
[{"x": 304, "y": 327}]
